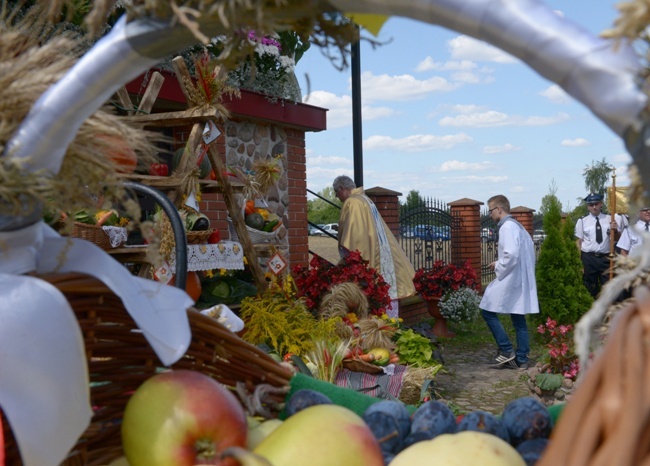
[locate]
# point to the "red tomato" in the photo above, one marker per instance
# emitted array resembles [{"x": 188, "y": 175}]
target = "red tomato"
[
  {"x": 159, "y": 169},
  {"x": 215, "y": 237}
]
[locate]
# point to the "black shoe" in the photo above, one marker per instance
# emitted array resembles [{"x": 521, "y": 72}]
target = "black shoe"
[
  {"x": 504, "y": 358},
  {"x": 514, "y": 364}
]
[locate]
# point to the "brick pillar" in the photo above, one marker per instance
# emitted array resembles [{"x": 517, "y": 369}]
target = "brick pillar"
[
  {"x": 524, "y": 215},
  {"x": 466, "y": 236},
  {"x": 388, "y": 206},
  {"x": 297, "y": 209}
]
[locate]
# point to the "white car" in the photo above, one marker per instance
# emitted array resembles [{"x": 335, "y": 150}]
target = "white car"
[
  {"x": 539, "y": 236},
  {"x": 331, "y": 228}
]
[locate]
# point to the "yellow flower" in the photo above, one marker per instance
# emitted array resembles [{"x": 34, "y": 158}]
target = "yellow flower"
[
  {"x": 352, "y": 317},
  {"x": 209, "y": 273}
]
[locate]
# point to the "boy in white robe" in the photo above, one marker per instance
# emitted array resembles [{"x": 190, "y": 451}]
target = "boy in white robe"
[{"x": 514, "y": 291}]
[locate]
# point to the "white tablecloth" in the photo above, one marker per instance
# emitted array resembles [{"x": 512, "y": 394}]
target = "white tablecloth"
[{"x": 223, "y": 255}]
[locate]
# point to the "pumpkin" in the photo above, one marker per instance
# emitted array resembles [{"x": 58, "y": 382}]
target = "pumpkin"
[
  {"x": 192, "y": 286},
  {"x": 118, "y": 151}
]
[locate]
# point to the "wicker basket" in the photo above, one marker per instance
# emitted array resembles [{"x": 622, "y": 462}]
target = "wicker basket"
[
  {"x": 93, "y": 233},
  {"x": 119, "y": 360},
  {"x": 256, "y": 236},
  {"x": 198, "y": 237}
]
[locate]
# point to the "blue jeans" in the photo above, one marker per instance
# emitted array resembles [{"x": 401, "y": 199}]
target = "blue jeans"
[{"x": 501, "y": 337}]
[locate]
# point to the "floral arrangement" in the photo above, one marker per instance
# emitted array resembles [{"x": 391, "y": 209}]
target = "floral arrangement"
[
  {"x": 460, "y": 305},
  {"x": 270, "y": 63},
  {"x": 315, "y": 281},
  {"x": 561, "y": 353},
  {"x": 441, "y": 278}
]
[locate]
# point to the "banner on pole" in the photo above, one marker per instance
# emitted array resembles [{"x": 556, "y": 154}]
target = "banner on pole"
[{"x": 620, "y": 199}]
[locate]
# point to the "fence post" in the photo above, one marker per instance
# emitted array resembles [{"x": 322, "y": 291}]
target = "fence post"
[
  {"x": 524, "y": 215},
  {"x": 466, "y": 240}
]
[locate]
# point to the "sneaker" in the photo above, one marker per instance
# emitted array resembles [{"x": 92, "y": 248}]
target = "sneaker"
[
  {"x": 504, "y": 358},
  {"x": 522, "y": 366}
]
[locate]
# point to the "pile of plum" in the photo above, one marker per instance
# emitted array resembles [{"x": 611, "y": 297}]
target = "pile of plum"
[{"x": 525, "y": 423}]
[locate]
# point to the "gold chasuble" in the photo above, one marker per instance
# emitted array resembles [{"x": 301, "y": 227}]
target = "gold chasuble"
[{"x": 362, "y": 229}]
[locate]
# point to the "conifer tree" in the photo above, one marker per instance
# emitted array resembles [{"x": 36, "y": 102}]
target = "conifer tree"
[{"x": 559, "y": 279}]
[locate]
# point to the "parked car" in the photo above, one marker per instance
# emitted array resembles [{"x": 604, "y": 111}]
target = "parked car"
[
  {"x": 488, "y": 235},
  {"x": 406, "y": 231},
  {"x": 312, "y": 230},
  {"x": 331, "y": 228},
  {"x": 539, "y": 236},
  {"x": 432, "y": 233}
]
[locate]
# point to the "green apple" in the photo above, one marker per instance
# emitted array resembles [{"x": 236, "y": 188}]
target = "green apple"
[
  {"x": 258, "y": 433},
  {"x": 461, "y": 449},
  {"x": 182, "y": 418}
]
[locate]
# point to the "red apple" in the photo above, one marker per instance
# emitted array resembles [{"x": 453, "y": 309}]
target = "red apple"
[{"x": 182, "y": 418}]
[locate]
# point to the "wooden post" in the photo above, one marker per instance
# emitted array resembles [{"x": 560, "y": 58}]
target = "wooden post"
[{"x": 234, "y": 210}]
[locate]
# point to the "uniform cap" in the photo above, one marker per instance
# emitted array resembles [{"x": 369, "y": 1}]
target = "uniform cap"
[{"x": 593, "y": 197}]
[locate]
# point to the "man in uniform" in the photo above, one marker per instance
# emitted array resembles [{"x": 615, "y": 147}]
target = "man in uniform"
[
  {"x": 631, "y": 238},
  {"x": 592, "y": 237}
]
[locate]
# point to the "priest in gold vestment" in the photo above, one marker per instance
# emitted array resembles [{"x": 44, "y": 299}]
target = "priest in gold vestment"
[{"x": 361, "y": 228}]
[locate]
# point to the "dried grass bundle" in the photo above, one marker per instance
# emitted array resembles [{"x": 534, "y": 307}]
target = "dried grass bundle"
[
  {"x": 267, "y": 174},
  {"x": 343, "y": 299},
  {"x": 33, "y": 56},
  {"x": 375, "y": 333},
  {"x": 413, "y": 380}
]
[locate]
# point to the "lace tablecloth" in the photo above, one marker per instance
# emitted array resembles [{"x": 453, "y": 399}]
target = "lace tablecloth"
[{"x": 223, "y": 255}]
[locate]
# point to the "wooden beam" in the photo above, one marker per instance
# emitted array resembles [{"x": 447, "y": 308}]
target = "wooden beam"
[
  {"x": 235, "y": 212},
  {"x": 125, "y": 100},
  {"x": 171, "y": 119},
  {"x": 151, "y": 93}
]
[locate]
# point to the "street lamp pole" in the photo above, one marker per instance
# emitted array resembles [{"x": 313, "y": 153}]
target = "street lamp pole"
[{"x": 357, "y": 140}]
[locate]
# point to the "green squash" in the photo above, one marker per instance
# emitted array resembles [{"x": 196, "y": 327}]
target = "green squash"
[
  {"x": 204, "y": 167},
  {"x": 255, "y": 221}
]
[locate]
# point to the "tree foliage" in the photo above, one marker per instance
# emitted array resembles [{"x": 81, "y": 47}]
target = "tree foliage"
[
  {"x": 562, "y": 295},
  {"x": 412, "y": 203},
  {"x": 322, "y": 212},
  {"x": 596, "y": 176}
]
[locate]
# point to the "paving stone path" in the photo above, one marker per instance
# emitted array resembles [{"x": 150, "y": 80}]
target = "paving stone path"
[{"x": 469, "y": 382}]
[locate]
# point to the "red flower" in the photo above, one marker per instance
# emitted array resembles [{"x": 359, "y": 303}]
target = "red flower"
[
  {"x": 314, "y": 282},
  {"x": 435, "y": 282}
]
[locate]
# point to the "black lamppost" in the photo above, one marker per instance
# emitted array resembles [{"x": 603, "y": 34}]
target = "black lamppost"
[{"x": 357, "y": 140}]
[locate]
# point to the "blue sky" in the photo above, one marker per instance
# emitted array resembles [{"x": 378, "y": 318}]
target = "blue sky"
[{"x": 453, "y": 117}]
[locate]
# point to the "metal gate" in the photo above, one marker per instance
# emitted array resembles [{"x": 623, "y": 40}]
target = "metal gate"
[
  {"x": 489, "y": 249},
  {"x": 426, "y": 231}
]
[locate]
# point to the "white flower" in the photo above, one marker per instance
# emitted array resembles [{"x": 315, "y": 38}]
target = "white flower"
[{"x": 460, "y": 305}]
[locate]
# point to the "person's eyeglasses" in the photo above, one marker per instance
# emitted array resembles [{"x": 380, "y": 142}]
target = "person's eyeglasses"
[{"x": 490, "y": 211}]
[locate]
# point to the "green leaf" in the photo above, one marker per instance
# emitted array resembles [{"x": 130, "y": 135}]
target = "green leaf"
[{"x": 549, "y": 381}]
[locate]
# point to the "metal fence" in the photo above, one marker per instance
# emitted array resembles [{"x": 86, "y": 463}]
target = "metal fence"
[
  {"x": 489, "y": 249},
  {"x": 425, "y": 232}
]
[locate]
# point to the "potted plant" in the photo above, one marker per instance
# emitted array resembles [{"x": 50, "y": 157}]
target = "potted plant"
[{"x": 434, "y": 283}]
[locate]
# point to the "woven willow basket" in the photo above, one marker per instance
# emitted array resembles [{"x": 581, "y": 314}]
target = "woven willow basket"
[
  {"x": 92, "y": 233},
  {"x": 119, "y": 360},
  {"x": 607, "y": 421}
]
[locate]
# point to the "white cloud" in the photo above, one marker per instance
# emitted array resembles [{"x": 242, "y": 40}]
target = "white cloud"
[
  {"x": 577, "y": 142},
  {"x": 416, "y": 142},
  {"x": 402, "y": 87},
  {"x": 555, "y": 94},
  {"x": 340, "y": 109},
  {"x": 493, "y": 118},
  {"x": 329, "y": 160},
  {"x": 457, "y": 165},
  {"x": 451, "y": 65},
  {"x": 500, "y": 149},
  {"x": 466, "y": 48}
]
